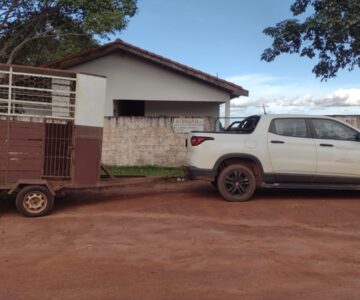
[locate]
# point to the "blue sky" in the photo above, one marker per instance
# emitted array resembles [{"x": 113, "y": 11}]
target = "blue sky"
[{"x": 225, "y": 38}]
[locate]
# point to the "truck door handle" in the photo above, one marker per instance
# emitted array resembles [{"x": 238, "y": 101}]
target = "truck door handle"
[
  {"x": 277, "y": 142},
  {"x": 326, "y": 145}
]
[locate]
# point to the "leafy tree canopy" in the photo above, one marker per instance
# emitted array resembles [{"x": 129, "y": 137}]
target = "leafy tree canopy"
[
  {"x": 37, "y": 31},
  {"x": 329, "y": 30}
]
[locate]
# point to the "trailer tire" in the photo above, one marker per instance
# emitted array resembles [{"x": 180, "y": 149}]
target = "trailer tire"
[{"x": 34, "y": 201}]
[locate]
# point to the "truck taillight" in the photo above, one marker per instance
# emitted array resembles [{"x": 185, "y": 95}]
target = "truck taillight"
[{"x": 197, "y": 140}]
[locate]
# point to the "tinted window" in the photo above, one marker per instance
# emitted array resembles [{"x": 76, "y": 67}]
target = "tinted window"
[
  {"x": 289, "y": 127},
  {"x": 332, "y": 130}
]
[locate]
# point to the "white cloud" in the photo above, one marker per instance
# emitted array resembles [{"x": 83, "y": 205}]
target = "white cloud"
[
  {"x": 281, "y": 95},
  {"x": 342, "y": 97}
]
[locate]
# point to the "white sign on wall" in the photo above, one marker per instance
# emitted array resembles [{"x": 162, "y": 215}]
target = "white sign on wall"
[{"x": 186, "y": 125}]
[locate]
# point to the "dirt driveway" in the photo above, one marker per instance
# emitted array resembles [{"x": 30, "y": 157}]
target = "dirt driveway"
[{"x": 180, "y": 241}]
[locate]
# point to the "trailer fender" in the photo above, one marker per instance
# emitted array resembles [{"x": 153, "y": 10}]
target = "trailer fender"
[{"x": 31, "y": 182}]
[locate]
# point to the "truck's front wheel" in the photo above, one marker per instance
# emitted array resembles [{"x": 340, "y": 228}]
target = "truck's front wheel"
[
  {"x": 236, "y": 183},
  {"x": 34, "y": 201}
]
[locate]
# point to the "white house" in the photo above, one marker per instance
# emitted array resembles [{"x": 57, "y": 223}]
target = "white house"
[{"x": 142, "y": 83}]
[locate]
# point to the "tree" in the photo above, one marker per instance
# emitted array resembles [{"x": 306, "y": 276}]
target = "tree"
[
  {"x": 37, "y": 31},
  {"x": 330, "y": 31}
]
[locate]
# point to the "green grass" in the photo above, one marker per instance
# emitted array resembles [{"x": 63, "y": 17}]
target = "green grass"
[{"x": 145, "y": 171}]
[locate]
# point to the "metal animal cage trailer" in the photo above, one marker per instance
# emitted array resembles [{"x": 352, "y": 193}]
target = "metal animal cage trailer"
[{"x": 51, "y": 125}]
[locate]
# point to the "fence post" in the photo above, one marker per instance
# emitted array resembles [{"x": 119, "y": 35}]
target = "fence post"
[
  {"x": 10, "y": 90},
  {"x": 227, "y": 113}
]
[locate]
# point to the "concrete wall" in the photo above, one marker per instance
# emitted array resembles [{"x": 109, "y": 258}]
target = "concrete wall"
[
  {"x": 144, "y": 141},
  {"x": 131, "y": 78},
  {"x": 352, "y": 120}
]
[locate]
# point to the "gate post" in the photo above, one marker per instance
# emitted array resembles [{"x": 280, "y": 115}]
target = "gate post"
[{"x": 227, "y": 113}]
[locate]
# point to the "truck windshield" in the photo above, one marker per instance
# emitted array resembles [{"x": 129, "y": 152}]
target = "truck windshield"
[{"x": 247, "y": 125}]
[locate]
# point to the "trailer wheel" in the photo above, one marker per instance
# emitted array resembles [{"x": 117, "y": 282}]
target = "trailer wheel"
[{"x": 34, "y": 201}]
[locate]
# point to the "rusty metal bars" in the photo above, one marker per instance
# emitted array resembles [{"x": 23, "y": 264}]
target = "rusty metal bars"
[{"x": 58, "y": 143}]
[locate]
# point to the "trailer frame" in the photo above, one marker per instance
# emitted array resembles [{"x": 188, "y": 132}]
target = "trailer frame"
[{"x": 51, "y": 125}]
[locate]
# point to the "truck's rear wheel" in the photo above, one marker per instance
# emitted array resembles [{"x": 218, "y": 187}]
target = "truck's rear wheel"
[
  {"x": 236, "y": 183},
  {"x": 34, "y": 201}
]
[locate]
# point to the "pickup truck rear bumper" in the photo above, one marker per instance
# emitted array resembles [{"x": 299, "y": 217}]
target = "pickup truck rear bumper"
[{"x": 197, "y": 173}]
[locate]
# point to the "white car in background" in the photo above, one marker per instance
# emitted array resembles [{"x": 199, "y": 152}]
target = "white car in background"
[{"x": 276, "y": 151}]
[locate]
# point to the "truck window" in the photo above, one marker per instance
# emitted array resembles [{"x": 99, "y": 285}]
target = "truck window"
[
  {"x": 332, "y": 130},
  {"x": 293, "y": 127}
]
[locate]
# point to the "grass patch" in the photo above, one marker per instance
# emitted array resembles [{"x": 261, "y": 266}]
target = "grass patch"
[{"x": 145, "y": 171}]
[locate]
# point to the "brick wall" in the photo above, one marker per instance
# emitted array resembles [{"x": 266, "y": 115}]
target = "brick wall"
[{"x": 144, "y": 141}]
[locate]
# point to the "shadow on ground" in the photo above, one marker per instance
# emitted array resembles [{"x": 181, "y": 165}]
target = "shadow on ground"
[{"x": 196, "y": 191}]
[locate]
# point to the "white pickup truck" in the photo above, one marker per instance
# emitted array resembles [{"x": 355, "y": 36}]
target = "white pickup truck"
[{"x": 276, "y": 151}]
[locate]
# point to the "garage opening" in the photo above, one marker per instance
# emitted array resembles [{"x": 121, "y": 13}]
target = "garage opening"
[{"x": 129, "y": 108}]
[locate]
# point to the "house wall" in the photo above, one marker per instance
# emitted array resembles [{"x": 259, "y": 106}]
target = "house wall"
[
  {"x": 171, "y": 109},
  {"x": 131, "y": 78}
]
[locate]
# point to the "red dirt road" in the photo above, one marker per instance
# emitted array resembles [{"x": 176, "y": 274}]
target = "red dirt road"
[{"x": 181, "y": 241}]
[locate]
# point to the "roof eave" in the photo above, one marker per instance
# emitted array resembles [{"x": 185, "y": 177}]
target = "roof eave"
[{"x": 239, "y": 93}]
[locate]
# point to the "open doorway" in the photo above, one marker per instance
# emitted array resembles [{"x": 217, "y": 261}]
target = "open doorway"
[{"x": 129, "y": 108}]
